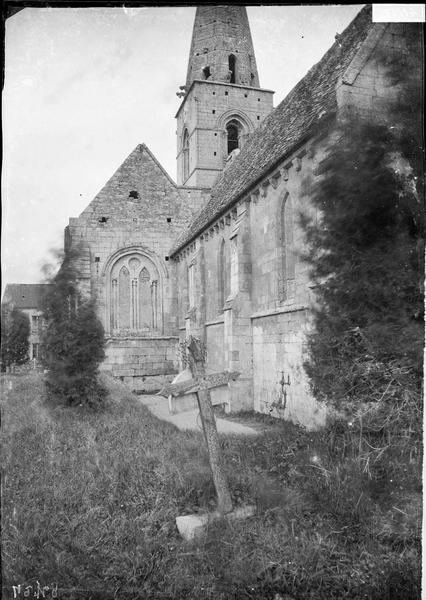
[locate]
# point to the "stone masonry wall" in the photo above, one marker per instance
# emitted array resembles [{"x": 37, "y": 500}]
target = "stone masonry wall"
[
  {"x": 268, "y": 311},
  {"x": 219, "y": 31},
  {"x": 204, "y": 114},
  {"x": 365, "y": 87},
  {"x": 143, "y": 364},
  {"x": 141, "y": 211}
]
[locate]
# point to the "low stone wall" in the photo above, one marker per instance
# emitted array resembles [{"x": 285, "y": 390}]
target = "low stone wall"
[{"x": 142, "y": 363}]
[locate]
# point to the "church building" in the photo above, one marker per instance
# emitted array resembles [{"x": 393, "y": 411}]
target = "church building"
[{"x": 218, "y": 254}]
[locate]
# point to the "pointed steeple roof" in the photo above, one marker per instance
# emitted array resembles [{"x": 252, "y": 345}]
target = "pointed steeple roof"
[{"x": 221, "y": 47}]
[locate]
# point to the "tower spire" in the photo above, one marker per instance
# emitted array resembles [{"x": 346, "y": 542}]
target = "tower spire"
[
  {"x": 222, "y": 101},
  {"x": 221, "y": 47}
]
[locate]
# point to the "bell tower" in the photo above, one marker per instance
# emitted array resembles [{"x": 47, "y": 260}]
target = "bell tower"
[{"x": 223, "y": 102}]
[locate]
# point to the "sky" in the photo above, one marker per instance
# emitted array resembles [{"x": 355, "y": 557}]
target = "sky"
[{"x": 84, "y": 86}]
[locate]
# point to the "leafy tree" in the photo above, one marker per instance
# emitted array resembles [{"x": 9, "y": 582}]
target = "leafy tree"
[
  {"x": 74, "y": 339},
  {"x": 15, "y": 334},
  {"x": 366, "y": 252}
]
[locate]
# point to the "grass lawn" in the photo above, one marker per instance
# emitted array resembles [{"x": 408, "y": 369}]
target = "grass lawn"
[{"x": 90, "y": 500}]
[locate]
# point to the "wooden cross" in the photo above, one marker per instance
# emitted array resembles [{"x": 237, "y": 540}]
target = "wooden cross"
[
  {"x": 193, "y": 385},
  {"x": 200, "y": 384}
]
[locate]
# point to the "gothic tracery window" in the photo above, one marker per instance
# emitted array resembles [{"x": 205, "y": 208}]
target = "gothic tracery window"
[{"x": 133, "y": 305}]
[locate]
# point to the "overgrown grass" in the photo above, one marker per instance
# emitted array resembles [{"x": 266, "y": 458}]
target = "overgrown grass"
[{"x": 90, "y": 501}]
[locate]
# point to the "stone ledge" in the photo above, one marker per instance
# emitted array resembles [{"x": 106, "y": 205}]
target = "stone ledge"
[
  {"x": 214, "y": 322},
  {"x": 136, "y": 338},
  {"x": 279, "y": 310}
]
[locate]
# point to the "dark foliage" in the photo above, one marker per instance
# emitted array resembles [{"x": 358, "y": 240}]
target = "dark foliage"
[
  {"x": 74, "y": 339},
  {"x": 366, "y": 253},
  {"x": 15, "y": 331}
]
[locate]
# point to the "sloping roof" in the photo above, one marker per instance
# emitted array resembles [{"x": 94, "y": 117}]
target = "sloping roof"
[
  {"x": 25, "y": 295},
  {"x": 294, "y": 119}
]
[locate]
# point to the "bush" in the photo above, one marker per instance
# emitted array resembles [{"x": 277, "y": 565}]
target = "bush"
[
  {"x": 366, "y": 253},
  {"x": 15, "y": 332},
  {"x": 74, "y": 340}
]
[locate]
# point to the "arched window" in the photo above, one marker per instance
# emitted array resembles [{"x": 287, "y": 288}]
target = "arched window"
[
  {"x": 206, "y": 72},
  {"x": 234, "y": 266},
  {"x": 288, "y": 257},
  {"x": 232, "y": 65},
  {"x": 133, "y": 296},
  {"x": 124, "y": 298},
  {"x": 221, "y": 276},
  {"x": 191, "y": 285},
  {"x": 185, "y": 150},
  {"x": 233, "y": 135}
]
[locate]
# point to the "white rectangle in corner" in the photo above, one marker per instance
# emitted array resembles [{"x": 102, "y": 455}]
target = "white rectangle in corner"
[{"x": 398, "y": 13}]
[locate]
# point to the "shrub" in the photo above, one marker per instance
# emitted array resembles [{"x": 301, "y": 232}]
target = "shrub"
[
  {"x": 15, "y": 333},
  {"x": 366, "y": 253},
  {"x": 74, "y": 339}
]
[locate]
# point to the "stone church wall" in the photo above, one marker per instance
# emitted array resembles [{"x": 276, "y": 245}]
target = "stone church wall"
[
  {"x": 142, "y": 363},
  {"x": 280, "y": 384},
  {"x": 137, "y": 215},
  {"x": 366, "y": 88},
  {"x": 281, "y": 294},
  {"x": 251, "y": 311},
  {"x": 204, "y": 115},
  {"x": 262, "y": 330}
]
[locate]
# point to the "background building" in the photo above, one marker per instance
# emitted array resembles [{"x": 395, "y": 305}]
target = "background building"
[{"x": 28, "y": 297}]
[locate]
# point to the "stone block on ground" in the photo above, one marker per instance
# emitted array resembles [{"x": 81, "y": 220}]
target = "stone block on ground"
[{"x": 193, "y": 526}]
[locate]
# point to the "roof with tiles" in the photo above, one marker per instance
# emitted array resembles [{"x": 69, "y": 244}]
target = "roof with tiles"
[
  {"x": 25, "y": 295},
  {"x": 294, "y": 119}
]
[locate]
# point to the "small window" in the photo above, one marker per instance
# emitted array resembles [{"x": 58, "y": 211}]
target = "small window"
[
  {"x": 226, "y": 94},
  {"x": 185, "y": 149},
  {"x": 233, "y": 135},
  {"x": 213, "y": 111},
  {"x": 191, "y": 286},
  {"x": 103, "y": 219},
  {"x": 133, "y": 194},
  {"x": 234, "y": 266},
  {"x": 206, "y": 72},
  {"x": 232, "y": 68},
  {"x": 169, "y": 220},
  {"x": 222, "y": 279},
  {"x": 166, "y": 258}
]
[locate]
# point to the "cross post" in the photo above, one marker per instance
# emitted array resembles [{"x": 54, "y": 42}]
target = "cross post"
[{"x": 196, "y": 364}]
